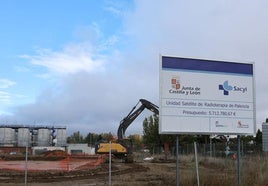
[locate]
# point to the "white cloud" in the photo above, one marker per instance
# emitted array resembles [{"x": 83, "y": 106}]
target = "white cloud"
[
  {"x": 113, "y": 10},
  {"x": 5, "y": 97},
  {"x": 87, "y": 98},
  {"x": 21, "y": 69},
  {"x": 6, "y": 83},
  {"x": 116, "y": 7},
  {"x": 72, "y": 59},
  {"x": 8, "y": 98}
]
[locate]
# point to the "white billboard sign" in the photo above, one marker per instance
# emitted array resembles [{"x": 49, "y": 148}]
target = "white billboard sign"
[{"x": 206, "y": 97}]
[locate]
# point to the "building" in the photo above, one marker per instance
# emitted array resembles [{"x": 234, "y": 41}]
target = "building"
[
  {"x": 265, "y": 137},
  {"x": 80, "y": 149},
  {"x": 31, "y": 136}
]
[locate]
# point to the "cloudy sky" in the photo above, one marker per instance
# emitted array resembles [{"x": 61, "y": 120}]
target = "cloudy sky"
[{"x": 85, "y": 64}]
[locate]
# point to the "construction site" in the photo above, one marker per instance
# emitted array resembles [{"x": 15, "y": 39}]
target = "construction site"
[
  {"x": 56, "y": 168},
  {"x": 40, "y": 155},
  {"x": 42, "y": 151},
  {"x": 79, "y": 165}
]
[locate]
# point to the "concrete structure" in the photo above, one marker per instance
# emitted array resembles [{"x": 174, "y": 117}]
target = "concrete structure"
[
  {"x": 7, "y": 137},
  {"x": 40, "y": 150},
  {"x": 44, "y": 137},
  {"x": 61, "y": 139},
  {"x": 24, "y": 137},
  {"x": 265, "y": 137},
  {"x": 80, "y": 149}
]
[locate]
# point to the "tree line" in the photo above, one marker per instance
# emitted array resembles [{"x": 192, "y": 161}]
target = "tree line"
[{"x": 152, "y": 138}]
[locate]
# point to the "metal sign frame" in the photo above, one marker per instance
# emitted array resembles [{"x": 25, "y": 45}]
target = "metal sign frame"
[{"x": 200, "y": 96}]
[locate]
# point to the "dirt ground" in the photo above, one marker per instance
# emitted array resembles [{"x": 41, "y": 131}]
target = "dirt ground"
[
  {"x": 143, "y": 173},
  {"x": 212, "y": 171}
]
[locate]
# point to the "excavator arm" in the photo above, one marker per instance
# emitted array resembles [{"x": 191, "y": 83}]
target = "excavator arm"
[
  {"x": 133, "y": 114},
  {"x": 123, "y": 147}
]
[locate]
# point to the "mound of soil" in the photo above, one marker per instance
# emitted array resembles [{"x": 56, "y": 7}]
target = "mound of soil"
[{"x": 55, "y": 153}]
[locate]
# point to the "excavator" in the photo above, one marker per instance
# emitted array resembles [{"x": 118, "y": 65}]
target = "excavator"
[{"x": 122, "y": 148}]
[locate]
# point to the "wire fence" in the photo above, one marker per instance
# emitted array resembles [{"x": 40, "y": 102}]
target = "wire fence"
[{"x": 209, "y": 149}]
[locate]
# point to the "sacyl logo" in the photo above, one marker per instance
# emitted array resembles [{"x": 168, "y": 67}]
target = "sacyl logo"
[{"x": 227, "y": 88}]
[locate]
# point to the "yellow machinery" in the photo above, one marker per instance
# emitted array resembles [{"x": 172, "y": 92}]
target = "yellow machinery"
[
  {"x": 123, "y": 147},
  {"x": 116, "y": 148}
]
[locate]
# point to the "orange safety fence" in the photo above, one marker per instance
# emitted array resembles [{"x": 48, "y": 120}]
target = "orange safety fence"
[
  {"x": 69, "y": 163},
  {"x": 77, "y": 163}
]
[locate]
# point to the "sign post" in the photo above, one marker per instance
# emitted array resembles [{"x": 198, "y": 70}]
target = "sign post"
[
  {"x": 238, "y": 161},
  {"x": 177, "y": 160},
  {"x": 110, "y": 164},
  {"x": 26, "y": 165},
  {"x": 196, "y": 164}
]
